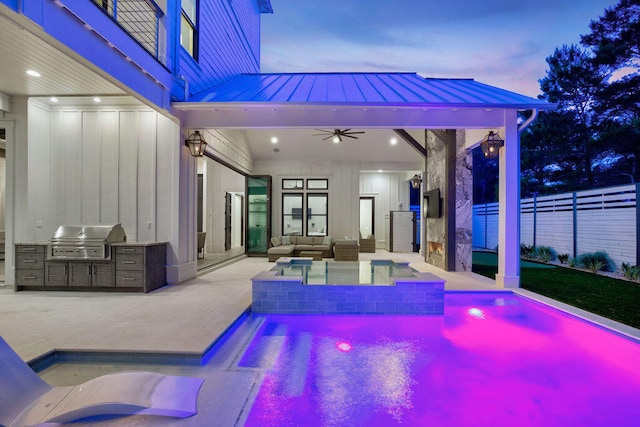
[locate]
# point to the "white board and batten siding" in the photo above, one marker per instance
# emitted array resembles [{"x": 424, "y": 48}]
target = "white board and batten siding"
[
  {"x": 101, "y": 165},
  {"x": 605, "y": 220}
]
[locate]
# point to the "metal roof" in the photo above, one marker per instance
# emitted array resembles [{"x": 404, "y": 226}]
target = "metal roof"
[{"x": 389, "y": 89}]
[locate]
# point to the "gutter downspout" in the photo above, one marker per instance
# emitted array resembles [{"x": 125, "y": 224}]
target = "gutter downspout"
[
  {"x": 531, "y": 118},
  {"x": 186, "y": 87}
]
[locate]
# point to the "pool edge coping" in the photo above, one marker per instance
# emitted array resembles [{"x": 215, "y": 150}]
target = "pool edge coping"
[{"x": 618, "y": 328}]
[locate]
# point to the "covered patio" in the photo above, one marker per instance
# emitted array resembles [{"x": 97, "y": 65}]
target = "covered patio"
[{"x": 442, "y": 119}]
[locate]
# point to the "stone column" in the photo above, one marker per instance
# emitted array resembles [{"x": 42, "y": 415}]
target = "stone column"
[
  {"x": 464, "y": 204},
  {"x": 448, "y": 168}
]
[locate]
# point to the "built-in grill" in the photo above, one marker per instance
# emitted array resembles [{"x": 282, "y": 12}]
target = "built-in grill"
[{"x": 85, "y": 242}]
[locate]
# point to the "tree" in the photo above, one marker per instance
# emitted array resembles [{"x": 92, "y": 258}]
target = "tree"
[
  {"x": 572, "y": 81},
  {"x": 615, "y": 41},
  {"x": 550, "y": 163}
]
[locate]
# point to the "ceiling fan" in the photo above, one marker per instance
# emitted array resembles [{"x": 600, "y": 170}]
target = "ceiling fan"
[{"x": 337, "y": 134}]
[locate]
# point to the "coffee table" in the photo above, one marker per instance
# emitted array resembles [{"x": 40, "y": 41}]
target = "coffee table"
[{"x": 316, "y": 255}]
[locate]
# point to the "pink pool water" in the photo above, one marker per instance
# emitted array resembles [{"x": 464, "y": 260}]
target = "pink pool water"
[{"x": 492, "y": 360}]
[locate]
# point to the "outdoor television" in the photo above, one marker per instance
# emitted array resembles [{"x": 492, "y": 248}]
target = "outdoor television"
[{"x": 432, "y": 203}]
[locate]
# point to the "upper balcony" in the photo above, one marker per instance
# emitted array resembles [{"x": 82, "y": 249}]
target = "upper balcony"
[{"x": 142, "y": 19}]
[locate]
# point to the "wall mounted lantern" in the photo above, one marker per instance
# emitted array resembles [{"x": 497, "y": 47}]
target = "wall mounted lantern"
[
  {"x": 196, "y": 144},
  {"x": 491, "y": 144},
  {"x": 416, "y": 181}
]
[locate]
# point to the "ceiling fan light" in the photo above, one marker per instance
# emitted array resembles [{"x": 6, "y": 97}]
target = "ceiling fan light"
[{"x": 336, "y": 139}]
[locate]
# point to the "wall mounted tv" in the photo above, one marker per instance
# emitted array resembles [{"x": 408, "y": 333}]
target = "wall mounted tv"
[{"x": 432, "y": 203}]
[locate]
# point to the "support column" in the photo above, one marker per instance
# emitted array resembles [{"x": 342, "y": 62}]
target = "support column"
[
  {"x": 509, "y": 206},
  {"x": 182, "y": 259}
]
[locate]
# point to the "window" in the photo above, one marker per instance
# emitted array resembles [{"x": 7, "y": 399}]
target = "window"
[
  {"x": 317, "y": 214},
  {"x": 189, "y": 27},
  {"x": 292, "y": 214},
  {"x": 292, "y": 184},
  {"x": 317, "y": 184}
]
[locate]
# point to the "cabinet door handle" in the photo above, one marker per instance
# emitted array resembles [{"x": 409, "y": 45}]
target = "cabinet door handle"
[
  {"x": 28, "y": 249},
  {"x": 128, "y": 250},
  {"x": 29, "y": 261},
  {"x": 128, "y": 262},
  {"x": 129, "y": 278},
  {"x": 29, "y": 277}
]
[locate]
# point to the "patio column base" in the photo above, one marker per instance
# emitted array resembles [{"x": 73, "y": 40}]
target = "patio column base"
[{"x": 507, "y": 281}]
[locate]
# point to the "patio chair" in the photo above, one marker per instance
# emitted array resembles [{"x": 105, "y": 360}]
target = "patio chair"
[
  {"x": 201, "y": 238},
  {"x": 26, "y": 399},
  {"x": 367, "y": 244}
]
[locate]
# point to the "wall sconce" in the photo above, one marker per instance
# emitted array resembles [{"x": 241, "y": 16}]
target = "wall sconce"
[
  {"x": 416, "y": 181},
  {"x": 196, "y": 144},
  {"x": 491, "y": 144}
]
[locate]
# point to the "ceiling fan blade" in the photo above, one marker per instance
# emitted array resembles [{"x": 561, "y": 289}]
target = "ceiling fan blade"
[
  {"x": 349, "y": 136},
  {"x": 330, "y": 136}
]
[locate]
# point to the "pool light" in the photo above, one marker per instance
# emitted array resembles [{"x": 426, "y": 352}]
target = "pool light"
[
  {"x": 344, "y": 346},
  {"x": 476, "y": 312}
]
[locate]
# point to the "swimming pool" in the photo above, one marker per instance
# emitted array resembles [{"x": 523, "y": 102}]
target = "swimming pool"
[{"x": 492, "y": 359}]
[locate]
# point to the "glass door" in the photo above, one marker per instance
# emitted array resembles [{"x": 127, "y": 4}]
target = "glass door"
[{"x": 258, "y": 214}]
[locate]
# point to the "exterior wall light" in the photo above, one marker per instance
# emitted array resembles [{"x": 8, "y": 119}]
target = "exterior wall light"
[
  {"x": 196, "y": 144},
  {"x": 416, "y": 181},
  {"x": 491, "y": 144}
]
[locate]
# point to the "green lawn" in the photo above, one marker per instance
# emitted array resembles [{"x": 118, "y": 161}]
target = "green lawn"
[{"x": 612, "y": 298}]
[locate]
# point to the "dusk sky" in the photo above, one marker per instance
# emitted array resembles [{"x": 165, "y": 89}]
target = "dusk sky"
[{"x": 499, "y": 42}]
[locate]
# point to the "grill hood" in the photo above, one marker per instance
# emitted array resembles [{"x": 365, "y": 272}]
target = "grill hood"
[
  {"x": 85, "y": 242},
  {"x": 102, "y": 233}
]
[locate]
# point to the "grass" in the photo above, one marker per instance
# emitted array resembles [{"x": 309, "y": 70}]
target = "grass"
[{"x": 615, "y": 299}]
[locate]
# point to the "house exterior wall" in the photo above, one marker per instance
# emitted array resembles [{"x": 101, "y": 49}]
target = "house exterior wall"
[
  {"x": 344, "y": 195},
  {"x": 100, "y": 165},
  {"x": 229, "y": 45}
]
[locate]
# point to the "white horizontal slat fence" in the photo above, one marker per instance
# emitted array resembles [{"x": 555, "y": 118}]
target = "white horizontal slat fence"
[{"x": 586, "y": 221}]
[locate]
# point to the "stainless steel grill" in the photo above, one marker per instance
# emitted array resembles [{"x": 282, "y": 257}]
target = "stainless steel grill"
[{"x": 85, "y": 242}]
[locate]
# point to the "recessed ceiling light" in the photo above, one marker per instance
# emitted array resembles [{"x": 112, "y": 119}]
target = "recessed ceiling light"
[
  {"x": 393, "y": 141},
  {"x": 274, "y": 140},
  {"x": 96, "y": 99},
  {"x": 53, "y": 99},
  {"x": 380, "y": 170},
  {"x": 33, "y": 73}
]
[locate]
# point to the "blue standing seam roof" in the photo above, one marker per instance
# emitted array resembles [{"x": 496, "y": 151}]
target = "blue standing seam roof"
[{"x": 364, "y": 89}]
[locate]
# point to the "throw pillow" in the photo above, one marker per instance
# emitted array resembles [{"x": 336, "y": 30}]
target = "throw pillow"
[
  {"x": 286, "y": 240},
  {"x": 275, "y": 241},
  {"x": 326, "y": 240}
]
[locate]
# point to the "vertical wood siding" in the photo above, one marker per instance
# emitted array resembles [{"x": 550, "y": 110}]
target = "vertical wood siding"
[
  {"x": 229, "y": 44},
  {"x": 100, "y": 165},
  {"x": 605, "y": 220}
]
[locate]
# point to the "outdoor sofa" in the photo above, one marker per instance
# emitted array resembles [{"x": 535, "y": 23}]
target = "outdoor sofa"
[{"x": 291, "y": 246}]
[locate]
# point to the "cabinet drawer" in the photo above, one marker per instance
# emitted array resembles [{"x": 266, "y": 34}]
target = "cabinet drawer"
[
  {"x": 30, "y": 277},
  {"x": 31, "y": 249},
  {"x": 30, "y": 261},
  {"x": 129, "y": 262},
  {"x": 129, "y": 279},
  {"x": 129, "y": 249}
]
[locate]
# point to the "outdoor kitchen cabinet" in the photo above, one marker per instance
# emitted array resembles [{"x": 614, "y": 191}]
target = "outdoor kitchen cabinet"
[
  {"x": 141, "y": 266},
  {"x": 30, "y": 262}
]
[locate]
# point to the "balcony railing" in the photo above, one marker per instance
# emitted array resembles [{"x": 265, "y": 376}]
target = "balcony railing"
[{"x": 142, "y": 20}]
